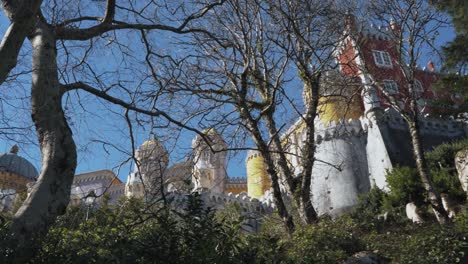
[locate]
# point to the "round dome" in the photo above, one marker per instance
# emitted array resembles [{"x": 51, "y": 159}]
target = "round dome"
[
  {"x": 12, "y": 163},
  {"x": 152, "y": 147},
  {"x": 210, "y": 131},
  {"x": 151, "y": 142},
  {"x": 153, "y": 155}
]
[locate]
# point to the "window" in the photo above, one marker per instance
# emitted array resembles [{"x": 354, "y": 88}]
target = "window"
[
  {"x": 206, "y": 155},
  {"x": 390, "y": 86},
  {"x": 382, "y": 58}
]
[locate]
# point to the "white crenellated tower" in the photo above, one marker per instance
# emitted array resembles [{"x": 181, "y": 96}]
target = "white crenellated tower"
[
  {"x": 209, "y": 170},
  {"x": 151, "y": 162}
]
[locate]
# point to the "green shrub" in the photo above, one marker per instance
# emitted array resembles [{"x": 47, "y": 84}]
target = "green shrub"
[
  {"x": 405, "y": 186},
  {"x": 461, "y": 222},
  {"x": 326, "y": 242},
  {"x": 441, "y": 161},
  {"x": 134, "y": 233},
  {"x": 444, "y": 155},
  {"x": 447, "y": 182},
  {"x": 434, "y": 244},
  {"x": 265, "y": 248}
]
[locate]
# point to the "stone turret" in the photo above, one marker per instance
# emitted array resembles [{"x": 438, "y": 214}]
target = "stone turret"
[
  {"x": 342, "y": 172},
  {"x": 209, "y": 170}
]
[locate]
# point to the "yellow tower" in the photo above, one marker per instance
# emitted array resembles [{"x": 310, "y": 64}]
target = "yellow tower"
[
  {"x": 258, "y": 181},
  {"x": 340, "y": 99},
  {"x": 334, "y": 108}
]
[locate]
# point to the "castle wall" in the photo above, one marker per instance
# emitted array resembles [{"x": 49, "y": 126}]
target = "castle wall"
[
  {"x": 433, "y": 131},
  {"x": 389, "y": 142},
  {"x": 236, "y": 185}
]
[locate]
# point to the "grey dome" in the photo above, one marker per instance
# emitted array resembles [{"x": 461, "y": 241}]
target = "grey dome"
[{"x": 11, "y": 162}]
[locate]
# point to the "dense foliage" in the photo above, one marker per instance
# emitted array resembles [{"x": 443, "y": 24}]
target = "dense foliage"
[
  {"x": 456, "y": 58},
  {"x": 456, "y": 52},
  {"x": 441, "y": 162},
  {"x": 131, "y": 232}
]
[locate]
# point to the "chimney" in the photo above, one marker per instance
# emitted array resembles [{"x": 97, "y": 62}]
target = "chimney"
[{"x": 431, "y": 66}]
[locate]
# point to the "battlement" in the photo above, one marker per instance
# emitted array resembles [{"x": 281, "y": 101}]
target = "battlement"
[
  {"x": 340, "y": 129},
  {"x": 236, "y": 180},
  {"x": 377, "y": 32},
  {"x": 101, "y": 175},
  {"x": 253, "y": 154},
  {"x": 429, "y": 125},
  {"x": 220, "y": 200}
]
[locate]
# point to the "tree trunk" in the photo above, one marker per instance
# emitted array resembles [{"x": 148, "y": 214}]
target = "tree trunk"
[
  {"x": 300, "y": 193},
  {"x": 267, "y": 156},
  {"x": 51, "y": 193},
  {"x": 421, "y": 166},
  {"x": 308, "y": 160},
  {"x": 311, "y": 85},
  {"x": 277, "y": 194},
  {"x": 23, "y": 17}
]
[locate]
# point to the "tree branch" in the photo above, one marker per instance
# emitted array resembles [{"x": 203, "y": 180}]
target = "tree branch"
[
  {"x": 155, "y": 113},
  {"x": 23, "y": 18},
  {"x": 109, "y": 24}
]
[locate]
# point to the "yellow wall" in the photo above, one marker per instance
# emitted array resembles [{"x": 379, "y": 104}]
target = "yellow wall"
[
  {"x": 337, "y": 107},
  {"x": 258, "y": 181}
]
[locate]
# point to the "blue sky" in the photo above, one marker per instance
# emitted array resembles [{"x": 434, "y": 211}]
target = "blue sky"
[
  {"x": 94, "y": 121},
  {"x": 99, "y": 129}
]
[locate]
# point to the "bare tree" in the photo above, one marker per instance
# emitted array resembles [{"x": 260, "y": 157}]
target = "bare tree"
[
  {"x": 52, "y": 31},
  {"x": 249, "y": 65},
  {"x": 240, "y": 66},
  {"x": 310, "y": 32}
]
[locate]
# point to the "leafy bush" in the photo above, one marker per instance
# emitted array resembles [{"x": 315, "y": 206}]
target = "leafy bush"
[
  {"x": 434, "y": 244},
  {"x": 461, "y": 222},
  {"x": 441, "y": 161},
  {"x": 134, "y": 233},
  {"x": 447, "y": 182},
  {"x": 419, "y": 244},
  {"x": 326, "y": 242},
  {"x": 405, "y": 186},
  {"x": 444, "y": 155}
]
